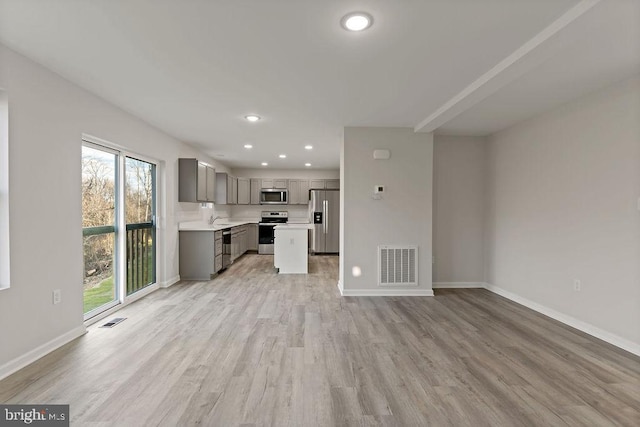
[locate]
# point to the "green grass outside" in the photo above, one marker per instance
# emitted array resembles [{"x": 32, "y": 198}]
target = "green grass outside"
[
  {"x": 100, "y": 295},
  {"x": 104, "y": 292}
]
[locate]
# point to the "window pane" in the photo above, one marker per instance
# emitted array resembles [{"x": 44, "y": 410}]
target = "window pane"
[
  {"x": 99, "y": 262},
  {"x": 139, "y": 212},
  {"x": 99, "y": 210},
  {"x": 98, "y": 188},
  {"x": 138, "y": 191}
]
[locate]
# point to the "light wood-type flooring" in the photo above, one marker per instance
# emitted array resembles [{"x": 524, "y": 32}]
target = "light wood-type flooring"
[{"x": 254, "y": 348}]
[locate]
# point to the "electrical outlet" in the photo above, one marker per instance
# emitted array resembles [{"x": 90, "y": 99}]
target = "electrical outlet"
[
  {"x": 577, "y": 285},
  {"x": 57, "y": 296}
]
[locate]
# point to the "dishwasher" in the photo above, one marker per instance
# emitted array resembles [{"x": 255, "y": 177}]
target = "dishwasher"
[
  {"x": 226, "y": 248},
  {"x": 230, "y": 246}
]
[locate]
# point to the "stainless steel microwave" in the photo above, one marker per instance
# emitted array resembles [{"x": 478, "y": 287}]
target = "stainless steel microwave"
[{"x": 274, "y": 196}]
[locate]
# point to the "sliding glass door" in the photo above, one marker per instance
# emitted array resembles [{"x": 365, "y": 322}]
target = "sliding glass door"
[
  {"x": 140, "y": 195},
  {"x": 119, "y": 230},
  {"x": 100, "y": 170}
]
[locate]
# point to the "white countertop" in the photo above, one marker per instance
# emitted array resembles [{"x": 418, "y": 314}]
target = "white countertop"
[
  {"x": 217, "y": 226},
  {"x": 293, "y": 226}
]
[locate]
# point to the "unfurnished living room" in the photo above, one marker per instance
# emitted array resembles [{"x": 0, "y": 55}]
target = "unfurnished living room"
[{"x": 320, "y": 213}]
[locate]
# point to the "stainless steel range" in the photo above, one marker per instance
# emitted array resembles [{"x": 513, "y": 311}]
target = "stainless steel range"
[{"x": 266, "y": 234}]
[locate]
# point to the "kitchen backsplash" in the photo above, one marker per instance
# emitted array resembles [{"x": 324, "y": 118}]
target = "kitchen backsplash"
[{"x": 254, "y": 211}]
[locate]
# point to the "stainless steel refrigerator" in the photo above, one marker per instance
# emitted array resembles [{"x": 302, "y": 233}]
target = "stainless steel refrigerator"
[{"x": 324, "y": 211}]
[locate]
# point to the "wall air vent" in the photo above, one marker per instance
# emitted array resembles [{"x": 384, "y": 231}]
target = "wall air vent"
[{"x": 397, "y": 265}]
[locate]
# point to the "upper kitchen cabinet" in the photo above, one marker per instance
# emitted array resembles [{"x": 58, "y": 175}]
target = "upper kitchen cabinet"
[
  {"x": 256, "y": 186},
  {"x": 274, "y": 183},
  {"x": 332, "y": 184},
  {"x": 244, "y": 191},
  {"x": 196, "y": 181},
  {"x": 298, "y": 191},
  {"x": 322, "y": 184},
  {"x": 226, "y": 189}
]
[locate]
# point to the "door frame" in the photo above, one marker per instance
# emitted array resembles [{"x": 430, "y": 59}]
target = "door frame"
[{"x": 123, "y": 153}]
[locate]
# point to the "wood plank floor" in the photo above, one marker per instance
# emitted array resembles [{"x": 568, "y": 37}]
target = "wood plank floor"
[{"x": 254, "y": 348}]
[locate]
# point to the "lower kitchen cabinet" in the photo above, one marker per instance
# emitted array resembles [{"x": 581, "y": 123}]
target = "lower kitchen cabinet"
[
  {"x": 252, "y": 237},
  {"x": 200, "y": 254},
  {"x": 217, "y": 263}
]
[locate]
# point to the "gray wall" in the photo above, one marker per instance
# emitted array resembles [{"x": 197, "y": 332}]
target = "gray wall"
[
  {"x": 403, "y": 216},
  {"x": 563, "y": 204},
  {"x": 47, "y": 117},
  {"x": 458, "y": 209}
]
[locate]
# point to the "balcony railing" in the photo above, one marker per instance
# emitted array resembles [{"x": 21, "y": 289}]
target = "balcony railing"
[{"x": 141, "y": 256}]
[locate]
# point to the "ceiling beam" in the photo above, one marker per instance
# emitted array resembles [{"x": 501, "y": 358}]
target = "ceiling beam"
[{"x": 523, "y": 59}]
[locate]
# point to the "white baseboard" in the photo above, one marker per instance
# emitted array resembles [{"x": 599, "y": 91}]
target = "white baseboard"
[
  {"x": 386, "y": 292},
  {"x": 587, "y": 328},
  {"x": 170, "y": 282},
  {"x": 26, "y": 359},
  {"x": 340, "y": 287},
  {"x": 458, "y": 285}
]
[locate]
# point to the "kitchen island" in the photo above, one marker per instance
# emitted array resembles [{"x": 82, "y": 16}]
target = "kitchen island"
[{"x": 291, "y": 248}]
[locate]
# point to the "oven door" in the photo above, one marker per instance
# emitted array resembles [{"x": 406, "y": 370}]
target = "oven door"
[{"x": 266, "y": 235}]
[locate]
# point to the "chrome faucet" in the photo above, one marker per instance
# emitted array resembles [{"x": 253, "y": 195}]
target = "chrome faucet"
[{"x": 212, "y": 219}]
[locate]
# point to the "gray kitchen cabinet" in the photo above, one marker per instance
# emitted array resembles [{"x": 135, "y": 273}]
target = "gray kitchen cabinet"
[
  {"x": 200, "y": 254},
  {"x": 321, "y": 184},
  {"x": 332, "y": 184},
  {"x": 316, "y": 184},
  {"x": 211, "y": 184},
  {"x": 217, "y": 264},
  {"x": 304, "y": 192},
  {"x": 238, "y": 242},
  {"x": 280, "y": 183},
  {"x": 274, "y": 183},
  {"x": 196, "y": 181},
  {"x": 298, "y": 191},
  {"x": 226, "y": 189},
  {"x": 244, "y": 191},
  {"x": 256, "y": 186},
  {"x": 252, "y": 237}
]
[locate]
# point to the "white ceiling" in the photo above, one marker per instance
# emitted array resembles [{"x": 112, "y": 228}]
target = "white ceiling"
[{"x": 195, "y": 68}]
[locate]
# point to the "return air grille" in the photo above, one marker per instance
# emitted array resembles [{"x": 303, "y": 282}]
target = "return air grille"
[{"x": 397, "y": 265}]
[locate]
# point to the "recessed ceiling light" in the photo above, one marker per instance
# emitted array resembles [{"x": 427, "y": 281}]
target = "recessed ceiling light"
[
  {"x": 252, "y": 117},
  {"x": 307, "y": 164},
  {"x": 283, "y": 156},
  {"x": 264, "y": 164},
  {"x": 356, "y": 21},
  {"x": 308, "y": 147},
  {"x": 248, "y": 146}
]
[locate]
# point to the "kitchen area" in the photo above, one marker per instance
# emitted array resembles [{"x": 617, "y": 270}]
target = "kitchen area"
[{"x": 288, "y": 218}]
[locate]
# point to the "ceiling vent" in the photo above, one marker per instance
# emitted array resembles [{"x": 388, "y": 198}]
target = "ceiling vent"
[{"x": 397, "y": 265}]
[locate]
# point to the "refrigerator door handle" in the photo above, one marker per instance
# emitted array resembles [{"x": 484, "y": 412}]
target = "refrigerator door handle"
[{"x": 326, "y": 216}]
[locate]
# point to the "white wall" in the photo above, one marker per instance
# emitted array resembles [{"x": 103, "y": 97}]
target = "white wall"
[
  {"x": 47, "y": 118},
  {"x": 296, "y": 212},
  {"x": 458, "y": 209},
  {"x": 403, "y": 216},
  {"x": 5, "y": 257},
  {"x": 563, "y": 194}
]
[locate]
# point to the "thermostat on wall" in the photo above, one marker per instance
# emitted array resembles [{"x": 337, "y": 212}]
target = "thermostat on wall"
[
  {"x": 381, "y": 154},
  {"x": 378, "y": 189}
]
